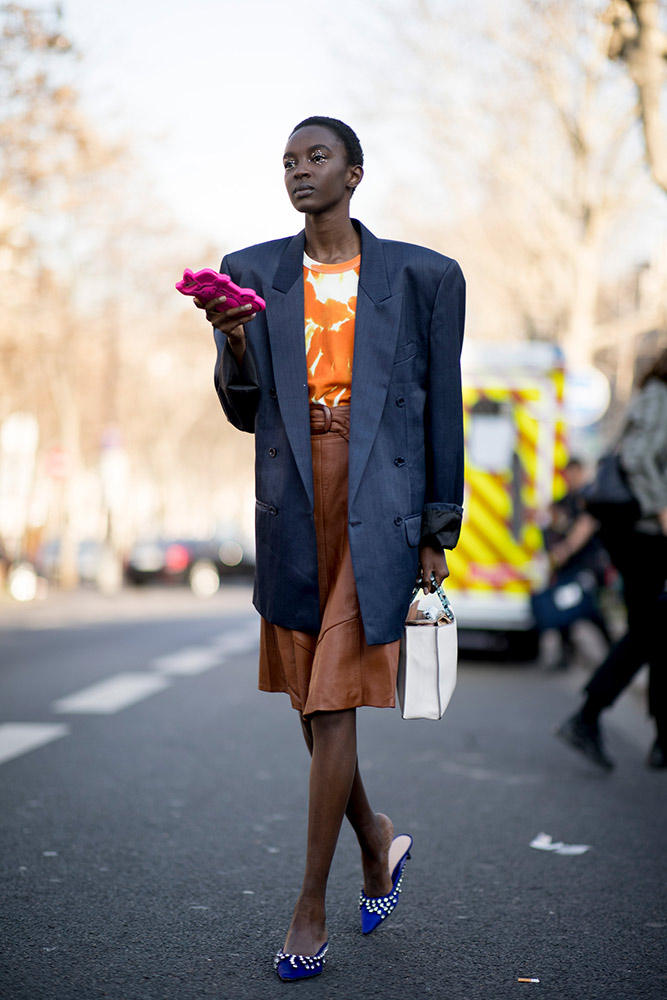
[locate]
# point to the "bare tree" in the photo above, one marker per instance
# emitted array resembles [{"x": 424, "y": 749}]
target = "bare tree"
[
  {"x": 637, "y": 39},
  {"x": 96, "y": 347},
  {"x": 531, "y": 137}
]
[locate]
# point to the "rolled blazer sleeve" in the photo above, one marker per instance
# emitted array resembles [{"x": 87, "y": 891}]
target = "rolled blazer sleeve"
[
  {"x": 237, "y": 385},
  {"x": 443, "y": 510}
]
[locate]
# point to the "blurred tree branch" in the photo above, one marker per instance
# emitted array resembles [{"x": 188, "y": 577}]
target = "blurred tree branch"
[
  {"x": 532, "y": 139},
  {"x": 637, "y": 39},
  {"x": 88, "y": 260}
]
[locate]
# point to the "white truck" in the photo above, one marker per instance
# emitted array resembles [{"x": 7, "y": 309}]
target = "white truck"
[{"x": 515, "y": 454}]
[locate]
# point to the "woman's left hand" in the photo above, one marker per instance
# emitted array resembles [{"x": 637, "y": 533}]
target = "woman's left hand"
[{"x": 431, "y": 561}]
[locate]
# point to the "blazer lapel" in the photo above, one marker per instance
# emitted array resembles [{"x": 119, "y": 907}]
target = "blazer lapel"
[
  {"x": 375, "y": 333},
  {"x": 285, "y": 321}
]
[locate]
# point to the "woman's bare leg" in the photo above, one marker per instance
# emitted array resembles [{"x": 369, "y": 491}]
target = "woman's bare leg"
[
  {"x": 374, "y": 830},
  {"x": 332, "y": 769}
]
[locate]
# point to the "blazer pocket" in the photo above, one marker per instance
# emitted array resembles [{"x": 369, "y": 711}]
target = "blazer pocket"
[
  {"x": 413, "y": 529},
  {"x": 405, "y": 352},
  {"x": 265, "y": 508}
]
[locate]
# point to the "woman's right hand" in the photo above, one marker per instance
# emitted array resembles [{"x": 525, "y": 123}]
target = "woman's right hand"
[{"x": 229, "y": 321}]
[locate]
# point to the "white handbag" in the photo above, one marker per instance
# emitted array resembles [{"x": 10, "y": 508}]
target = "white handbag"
[{"x": 428, "y": 657}]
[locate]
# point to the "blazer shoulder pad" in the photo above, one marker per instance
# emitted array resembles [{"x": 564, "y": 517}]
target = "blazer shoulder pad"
[
  {"x": 259, "y": 252},
  {"x": 397, "y": 252}
]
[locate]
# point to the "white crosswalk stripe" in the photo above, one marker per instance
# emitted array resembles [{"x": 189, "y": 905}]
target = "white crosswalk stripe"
[
  {"x": 122, "y": 690},
  {"x": 241, "y": 641},
  {"x": 17, "y": 738},
  {"x": 111, "y": 695},
  {"x": 187, "y": 662},
  {"x": 197, "y": 659}
]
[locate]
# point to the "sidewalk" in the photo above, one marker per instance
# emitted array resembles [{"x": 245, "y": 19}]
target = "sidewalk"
[{"x": 86, "y": 606}]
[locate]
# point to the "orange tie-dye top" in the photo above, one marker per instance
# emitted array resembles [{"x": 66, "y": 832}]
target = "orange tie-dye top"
[{"x": 330, "y": 302}]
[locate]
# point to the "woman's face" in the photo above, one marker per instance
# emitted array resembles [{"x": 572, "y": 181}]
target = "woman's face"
[{"x": 317, "y": 174}]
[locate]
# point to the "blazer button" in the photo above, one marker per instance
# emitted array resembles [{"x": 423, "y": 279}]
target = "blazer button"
[
  {"x": 273, "y": 394},
  {"x": 400, "y": 401},
  {"x": 398, "y": 520},
  {"x": 272, "y": 452},
  {"x": 272, "y": 510},
  {"x": 399, "y": 462}
]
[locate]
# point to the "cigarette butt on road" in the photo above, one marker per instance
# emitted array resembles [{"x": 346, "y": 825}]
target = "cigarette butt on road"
[{"x": 520, "y": 980}]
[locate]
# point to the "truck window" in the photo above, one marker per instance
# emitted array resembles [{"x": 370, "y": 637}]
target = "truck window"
[{"x": 491, "y": 436}]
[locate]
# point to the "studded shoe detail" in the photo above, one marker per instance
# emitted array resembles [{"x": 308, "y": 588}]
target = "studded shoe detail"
[
  {"x": 375, "y": 909},
  {"x": 300, "y": 966}
]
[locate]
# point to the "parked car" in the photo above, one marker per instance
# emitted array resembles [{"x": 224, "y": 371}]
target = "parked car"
[
  {"x": 200, "y": 563},
  {"x": 88, "y": 557}
]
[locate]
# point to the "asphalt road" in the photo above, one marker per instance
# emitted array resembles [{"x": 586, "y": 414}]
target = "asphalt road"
[{"x": 152, "y": 843}]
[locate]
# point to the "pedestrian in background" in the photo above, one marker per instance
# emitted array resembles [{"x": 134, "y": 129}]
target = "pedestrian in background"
[
  {"x": 576, "y": 554},
  {"x": 639, "y": 552},
  {"x": 350, "y": 381}
]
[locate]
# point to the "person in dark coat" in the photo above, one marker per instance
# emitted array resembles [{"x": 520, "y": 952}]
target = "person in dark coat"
[
  {"x": 350, "y": 382},
  {"x": 639, "y": 552},
  {"x": 576, "y": 554}
]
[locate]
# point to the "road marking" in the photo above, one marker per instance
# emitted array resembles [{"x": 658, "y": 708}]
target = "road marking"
[
  {"x": 193, "y": 660},
  {"x": 111, "y": 695},
  {"x": 241, "y": 641},
  {"x": 477, "y": 773},
  {"x": 125, "y": 689},
  {"x": 17, "y": 738},
  {"x": 187, "y": 662}
]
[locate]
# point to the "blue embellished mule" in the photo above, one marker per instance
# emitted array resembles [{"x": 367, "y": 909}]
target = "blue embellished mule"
[
  {"x": 375, "y": 909},
  {"x": 300, "y": 966}
]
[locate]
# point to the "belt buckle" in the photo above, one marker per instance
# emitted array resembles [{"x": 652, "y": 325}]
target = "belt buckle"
[{"x": 327, "y": 416}]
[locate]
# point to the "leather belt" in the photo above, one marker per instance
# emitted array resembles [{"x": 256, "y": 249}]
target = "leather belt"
[{"x": 326, "y": 418}]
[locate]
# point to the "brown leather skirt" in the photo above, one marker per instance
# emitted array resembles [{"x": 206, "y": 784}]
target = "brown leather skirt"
[{"x": 335, "y": 669}]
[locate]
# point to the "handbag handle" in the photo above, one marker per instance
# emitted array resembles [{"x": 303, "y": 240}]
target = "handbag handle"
[{"x": 444, "y": 600}]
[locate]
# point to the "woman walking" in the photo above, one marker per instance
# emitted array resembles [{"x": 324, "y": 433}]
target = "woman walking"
[
  {"x": 350, "y": 381},
  {"x": 639, "y": 552}
]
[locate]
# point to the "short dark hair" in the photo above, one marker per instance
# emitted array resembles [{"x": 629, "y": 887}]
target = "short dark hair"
[
  {"x": 658, "y": 369},
  {"x": 355, "y": 154}
]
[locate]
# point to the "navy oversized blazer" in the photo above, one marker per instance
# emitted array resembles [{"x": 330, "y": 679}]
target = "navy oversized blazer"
[{"x": 406, "y": 426}]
